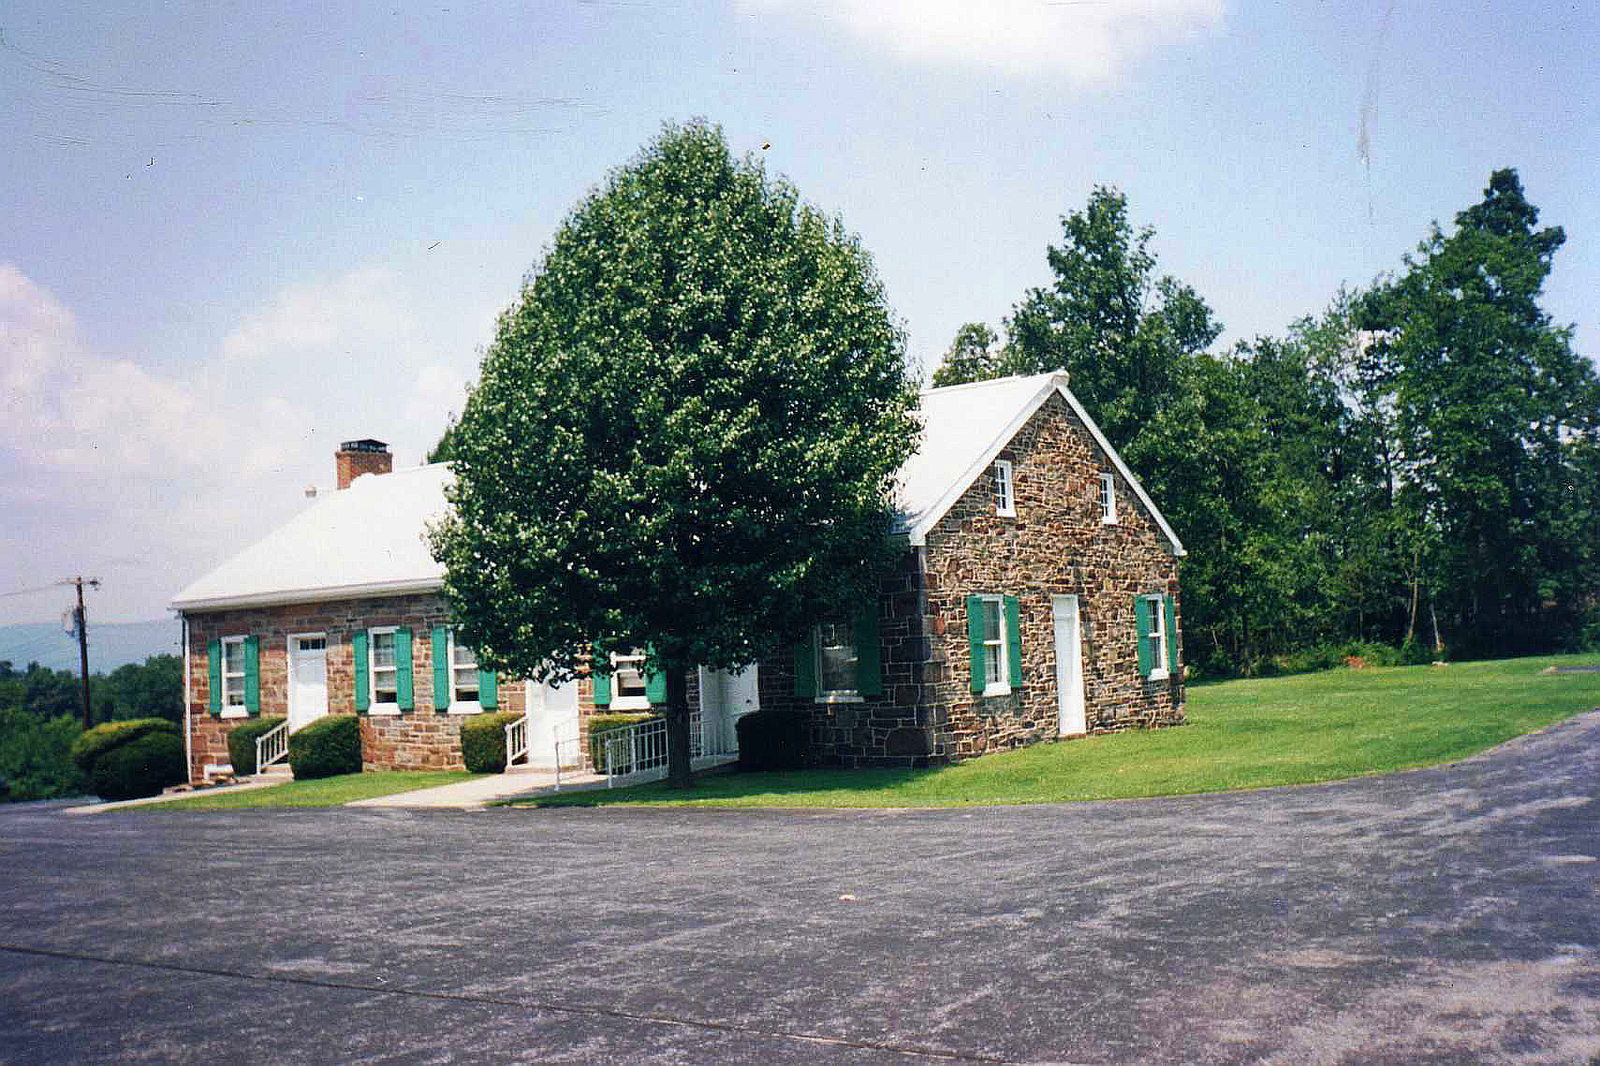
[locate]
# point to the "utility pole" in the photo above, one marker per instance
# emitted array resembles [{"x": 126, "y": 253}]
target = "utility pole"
[{"x": 81, "y": 624}]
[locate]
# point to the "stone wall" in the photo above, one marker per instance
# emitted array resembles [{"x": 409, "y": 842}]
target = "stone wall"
[
  {"x": 895, "y": 729},
  {"x": 415, "y": 739},
  {"x": 1055, "y": 545}
]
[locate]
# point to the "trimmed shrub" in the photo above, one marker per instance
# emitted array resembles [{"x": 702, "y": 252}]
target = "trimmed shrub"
[
  {"x": 773, "y": 740},
  {"x": 326, "y": 747},
  {"x": 483, "y": 741},
  {"x": 93, "y": 743},
  {"x": 142, "y": 767},
  {"x": 599, "y": 726},
  {"x": 242, "y": 743}
]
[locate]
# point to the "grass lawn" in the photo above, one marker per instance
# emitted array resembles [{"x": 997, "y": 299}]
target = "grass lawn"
[
  {"x": 322, "y": 792},
  {"x": 1242, "y": 734}
]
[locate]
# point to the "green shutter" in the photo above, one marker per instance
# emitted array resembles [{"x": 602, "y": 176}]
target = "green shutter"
[
  {"x": 358, "y": 655},
  {"x": 1172, "y": 633},
  {"x": 403, "y": 697},
  {"x": 655, "y": 688},
  {"x": 869, "y": 666},
  {"x": 655, "y": 685},
  {"x": 600, "y": 682},
  {"x": 805, "y": 667},
  {"x": 975, "y": 641},
  {"x": 488, "y": 690},
  {"x": 252, "y": 675},
  {"x": 1013, "y": 609},
  {"x": 1142, "y": 620},
  {"x": 214, "y": 675},
  {"x": 441, "y": 669}
]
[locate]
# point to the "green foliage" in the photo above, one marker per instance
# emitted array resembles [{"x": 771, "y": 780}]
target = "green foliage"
[
  {"x": 1494, "y": 422},
  {"x": 328, "y": 746},
  {"x": 599, "y": 726},
  {"x": 35, "y": 756},
  {"x": 686, "y": 431},
  {"x": 972, "y": 357},
  {"x": 153, "y": 689},
  {"x": 242, "y": 743},
  {"x": 483, "y": 742},
  {"x": 142, "y": 766},
  {"x": 773, "y": 740},
  {"x": 92, "y": 744},
  {"x": 44, "y": 693}
]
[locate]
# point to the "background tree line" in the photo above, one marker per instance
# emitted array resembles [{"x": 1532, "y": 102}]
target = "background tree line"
[
  {"x": 41, "y": 713},
  {"x": 1418, "y": 465}
]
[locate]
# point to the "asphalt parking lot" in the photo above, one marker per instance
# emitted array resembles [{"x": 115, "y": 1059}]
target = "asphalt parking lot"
[{"x": 1449, "y": 915}]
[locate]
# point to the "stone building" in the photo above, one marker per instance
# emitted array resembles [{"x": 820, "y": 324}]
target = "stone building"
[{"x": 1037, "y": 598}]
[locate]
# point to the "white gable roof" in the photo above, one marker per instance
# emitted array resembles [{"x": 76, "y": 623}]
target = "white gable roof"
[
  {"x": 365, "y": 540},
  {"x": 966, "y": 426}
]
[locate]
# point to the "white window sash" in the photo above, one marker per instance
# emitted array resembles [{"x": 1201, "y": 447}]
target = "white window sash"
[
  {"x": 1005, "y": 499},
  {"x": 377, "y": 705}
]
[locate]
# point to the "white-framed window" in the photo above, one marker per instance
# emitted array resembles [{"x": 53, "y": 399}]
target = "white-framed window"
[
  {"x": 1005, "y": 502},
  {"x": 629, "y": 690},
  {"x": 995, "y": 682},
  {"x": 463, "y": 678},
  {"x": 1108, "y": 499},
  {"x": 836, "y": 662},
  {"x": 382, "y": 677},
  {"x": 1158, "y": 637},
  {"x": 233, "y": 677}
]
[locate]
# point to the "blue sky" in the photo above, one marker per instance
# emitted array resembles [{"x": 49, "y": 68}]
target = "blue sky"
[{"x": 236, "y": 235}]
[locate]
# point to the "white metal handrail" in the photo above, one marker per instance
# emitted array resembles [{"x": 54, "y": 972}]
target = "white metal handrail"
[
  {"x": 272, "y": 746},
  {"x": 516, "y": 740},
  {"x": 635, "y": 750}
]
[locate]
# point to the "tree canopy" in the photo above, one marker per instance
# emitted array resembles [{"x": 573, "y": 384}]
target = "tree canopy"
[
  {"x": 685, "y": 433},
  {"x": 1416, "y": 465}
]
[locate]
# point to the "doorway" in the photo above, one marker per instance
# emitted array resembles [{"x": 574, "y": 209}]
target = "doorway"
[
  {"x": 1070, "y": 717},
  {"x": 308, "y": 679}
]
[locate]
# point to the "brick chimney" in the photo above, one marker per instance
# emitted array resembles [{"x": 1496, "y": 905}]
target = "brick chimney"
[{"x": 357, "y": 457}]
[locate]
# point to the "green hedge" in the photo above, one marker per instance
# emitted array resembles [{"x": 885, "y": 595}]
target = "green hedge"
[
  {"x": 142, "y": 767},
  {"x": 326, "y": 747},
  {"x": 483, "y": 741},
  {"x": 93, "y": 743},
  {"x": 242, "y": 743},
  {"x": 773, "y": 740},
  {"x": 599, "y": 726}
]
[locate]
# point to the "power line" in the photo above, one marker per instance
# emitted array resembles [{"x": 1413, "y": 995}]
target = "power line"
[{"x": 29, "y": 592}]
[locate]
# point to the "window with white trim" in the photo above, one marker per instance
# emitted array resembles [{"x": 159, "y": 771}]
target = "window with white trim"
[
  {"x": 381, "y": 673},
  {"x": 463, "y": 675},
  {"x": 1158, "y": 637},
  {"x": 629, "y": 689},
  {"x": 836, "y": 660},
  {"x": 1108, "y": 499},
  {"x": 1005, "y": 503},
  {"x": 994, "y": 648},
  {"x": 233, "y": 674}
]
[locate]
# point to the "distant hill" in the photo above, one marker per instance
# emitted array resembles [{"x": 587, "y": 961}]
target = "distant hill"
[{"x": 111, "y": 644}]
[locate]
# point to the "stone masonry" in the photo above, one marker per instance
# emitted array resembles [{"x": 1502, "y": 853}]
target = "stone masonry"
[
  {"x": 412, "y": 740},
  {"x": 1056, "y": 545}
]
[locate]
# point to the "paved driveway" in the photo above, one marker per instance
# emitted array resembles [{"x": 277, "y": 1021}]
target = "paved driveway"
[{"x": 1445, "y": 916}]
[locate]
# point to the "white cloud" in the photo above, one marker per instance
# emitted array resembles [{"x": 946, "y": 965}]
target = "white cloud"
[
  {"x": 1087, "y": 40},
  {"x": 104, "y": 461}
]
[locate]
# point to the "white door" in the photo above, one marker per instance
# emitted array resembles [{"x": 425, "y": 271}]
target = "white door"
[
  {"x": 552, "y": 717},
  {"x": 724, "y": 699},
  {"x": 308, "y": 680},
  {"x": 1069, "y": 667}
]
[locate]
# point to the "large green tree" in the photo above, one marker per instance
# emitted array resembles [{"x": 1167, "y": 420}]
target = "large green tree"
[
  {"x": 1494, "y": 418},
  {"x": 685, "y": 434}
]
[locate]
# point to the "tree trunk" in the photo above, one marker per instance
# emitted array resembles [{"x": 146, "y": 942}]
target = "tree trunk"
[{"x": 679, "y": 774}]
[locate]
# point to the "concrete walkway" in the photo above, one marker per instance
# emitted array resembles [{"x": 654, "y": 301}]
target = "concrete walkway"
[{"x": 482, "y": 791}]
